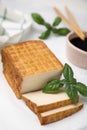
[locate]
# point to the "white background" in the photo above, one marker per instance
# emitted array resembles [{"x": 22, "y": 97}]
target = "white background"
[{"x": 14, "y": 114}]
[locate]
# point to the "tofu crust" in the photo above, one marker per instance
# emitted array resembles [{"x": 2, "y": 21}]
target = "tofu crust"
[
  {"x": 27, "y": 59},
  {"x": 58, "y": 115},
  {"x": 42, "y": 108}
]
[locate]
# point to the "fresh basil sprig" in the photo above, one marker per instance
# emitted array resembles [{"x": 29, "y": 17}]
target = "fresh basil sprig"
[
  {"x": 53, "y": 86},
  {"x": 61, "y": 31},
  {"x": 71, "y": 92},
  {"x": 37, "y": 18},
  {"x": 49, "y": 28},
  {"x": 45, "y": 34},
  {"x": 69, "y": 83},
  {"x": 81, "y": 88},
  {"x": 57, "y": 21}
]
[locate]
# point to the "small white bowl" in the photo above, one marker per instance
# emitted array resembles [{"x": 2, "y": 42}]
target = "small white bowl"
[{"x": 75, "y": 55}]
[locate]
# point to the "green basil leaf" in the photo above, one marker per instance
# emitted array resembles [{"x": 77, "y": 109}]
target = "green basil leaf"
[
  {"x": 52, "y": 86},
  {"x": 82, "y": 88},
  {"x": 68, "y": 72},
  {"x": 38, "y": 18},
  {"x": 54, "y": 30},
  {"x": 71, "y": 81},
  {"x": 47, "y": 25},
  {"x": 63, "y": 81},
  {"x": 57, "y": 21},
  {"x": 45, "y": 34},
  {"x": 72, "y": 92},
  {"x": 61, "y": 31}
]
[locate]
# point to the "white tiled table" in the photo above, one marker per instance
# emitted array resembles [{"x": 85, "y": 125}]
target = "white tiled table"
[{"x": 14, "y": 115}]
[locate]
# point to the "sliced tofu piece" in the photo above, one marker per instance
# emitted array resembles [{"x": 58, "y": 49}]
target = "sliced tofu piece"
[
  {"x": 31, "y": 65},
  {"x": 59, "y": 113},
  {"x": 39, "y": 102}
]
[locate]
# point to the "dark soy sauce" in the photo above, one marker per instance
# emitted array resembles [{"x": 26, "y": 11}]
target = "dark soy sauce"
[{"x": 79, "y": 43}]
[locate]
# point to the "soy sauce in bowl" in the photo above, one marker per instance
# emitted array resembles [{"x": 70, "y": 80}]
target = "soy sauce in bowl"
[
  {"x": 79, "y": 43},
  {"x": 76, "y": 50}
]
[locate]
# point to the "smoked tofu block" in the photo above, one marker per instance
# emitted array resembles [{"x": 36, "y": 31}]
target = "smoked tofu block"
[
  {"x": 40, "y": 102},
  {"x": 59, "y": 113},
  {"x": 28, "y": 66}
]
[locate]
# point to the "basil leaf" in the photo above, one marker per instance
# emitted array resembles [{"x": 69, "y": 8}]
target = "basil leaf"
[
  {"x": 72, "y": 92},
  {"x": 82, "y": 88},
  {"x": 47, "y": 25},
  {"x": 63, "y": 81},
  {"x": 54, "y": 30},
  {"x": 52, "y": 86},
  {"x": 37, "y": 18},
  {"x": 71, "y": 81},
  {"x": 57, "y": 21},
  {"x": 45, "y": 34},
  {"x": 61, "y": 31},
  {"x": 68, "y": 72}
]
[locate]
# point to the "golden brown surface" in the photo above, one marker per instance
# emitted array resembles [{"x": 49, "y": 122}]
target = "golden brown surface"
[
  {"x": 26, "y": 59},
  {"x": 58, "y": 115},
  {"x": 11, "y": 74},
  {"x": 32, "y": 57}
]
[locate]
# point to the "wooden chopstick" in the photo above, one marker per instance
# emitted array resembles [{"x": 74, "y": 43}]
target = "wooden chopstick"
[
  {"x": 79, "y": 34},
  {"x": 74, "y": 21}
]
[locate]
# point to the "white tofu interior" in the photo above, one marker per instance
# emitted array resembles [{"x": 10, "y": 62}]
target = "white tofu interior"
[
  {"x": 68, "y": 107},
  {"x": 41, "y": 98},
  {"x": 36, "y": 82}
]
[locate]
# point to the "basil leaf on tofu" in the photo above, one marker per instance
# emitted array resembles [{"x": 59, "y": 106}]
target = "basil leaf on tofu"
[
  {"x": 52, "y": 86},
  {"x": 72, "y": 92},
  {"x": 82, "y": 88}
]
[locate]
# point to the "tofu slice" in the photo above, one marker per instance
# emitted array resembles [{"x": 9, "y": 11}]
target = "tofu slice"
[
  {"x": 39, "y": 102},
  {"x": 29, "y": 65},
  {"x": 58, "y": 113}
]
